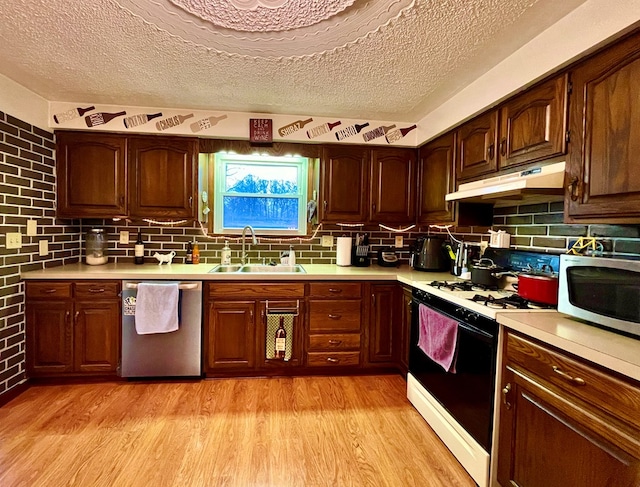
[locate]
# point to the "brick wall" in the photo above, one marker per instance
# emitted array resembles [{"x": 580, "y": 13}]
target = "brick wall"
[{"x": 27, "y": 192}]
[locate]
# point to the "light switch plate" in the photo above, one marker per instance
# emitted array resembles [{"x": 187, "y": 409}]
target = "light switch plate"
[
  {"x": 327, "y": 241},
  {"x": 124, "y": 237},
  {"x": 399, "y": 241},
  {"x": 32, "y": 228},
  {"x": 14, "y": 240},
  {"x": 43, "y": 248}
]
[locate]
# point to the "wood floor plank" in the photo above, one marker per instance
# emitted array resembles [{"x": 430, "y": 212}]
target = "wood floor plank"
[{"x": 285, "y": 432}]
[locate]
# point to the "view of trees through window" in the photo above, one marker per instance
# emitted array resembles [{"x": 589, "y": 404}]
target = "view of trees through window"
[{"x": 268, "y": 193}]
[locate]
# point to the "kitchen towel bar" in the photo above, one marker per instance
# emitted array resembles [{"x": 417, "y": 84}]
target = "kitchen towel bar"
[{"x": 183, "y": 286}]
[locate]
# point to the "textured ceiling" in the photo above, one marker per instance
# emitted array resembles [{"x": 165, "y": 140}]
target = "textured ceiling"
[{"x": 375, "y": 59}]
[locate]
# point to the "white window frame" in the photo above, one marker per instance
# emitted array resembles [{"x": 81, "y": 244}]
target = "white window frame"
[{"x": 222, "y": 159}]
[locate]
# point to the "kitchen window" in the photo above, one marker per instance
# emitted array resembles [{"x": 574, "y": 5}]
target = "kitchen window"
[{"x": 267, "y": 192}]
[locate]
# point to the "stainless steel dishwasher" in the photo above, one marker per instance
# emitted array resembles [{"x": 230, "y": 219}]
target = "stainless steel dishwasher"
[{"x": 175, "y": 354}]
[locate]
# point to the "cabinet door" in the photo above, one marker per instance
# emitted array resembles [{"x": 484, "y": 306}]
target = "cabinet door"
[
  {"x": 230, "y": 335},
  {"x": 49, "y": 337},
  {"x": 476, "y": 146},
  {"x": 91, "y": 175},
  {"x": 163, "y": 177},
  {"x": 533, "y": 124},
  {"x": 266, "y": 338},
  {"x": 436, "y": 178},
  {"x": 383, "y": 313},
  {"x": 548, "y": 439},
  {"x": 344, "y": 190},
  {"x": 393, "y": 184},
  {"x": 404, "y": 335},
  {"x": 96, "y": 336},
  {"x": 604, "y": 151}
]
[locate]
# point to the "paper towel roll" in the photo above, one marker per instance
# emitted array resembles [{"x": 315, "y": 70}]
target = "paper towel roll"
[{"x": 343, "y": 251}]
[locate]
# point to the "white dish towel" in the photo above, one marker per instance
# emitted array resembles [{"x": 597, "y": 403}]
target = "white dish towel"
[{"x": 157, "y": 308}]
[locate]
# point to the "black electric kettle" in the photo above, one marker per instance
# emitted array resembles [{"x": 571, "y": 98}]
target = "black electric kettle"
[{"x": 429, "y": 254}]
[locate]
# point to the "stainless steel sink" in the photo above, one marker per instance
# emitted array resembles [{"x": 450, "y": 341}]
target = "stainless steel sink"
[
  {"x": 250, "y": 268},
  {"x": 282, "y": 269},
  {"x": 226, "y": 268}
]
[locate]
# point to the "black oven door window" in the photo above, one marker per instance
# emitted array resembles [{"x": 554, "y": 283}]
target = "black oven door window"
[
  {"x": 466, "y": 394},
  {"x": 610, "y": 292}
]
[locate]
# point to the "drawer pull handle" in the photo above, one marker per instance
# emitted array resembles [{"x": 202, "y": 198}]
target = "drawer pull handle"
[
  {"x": 335, "y": 342},
  {"x": 576, "y": 380},
  {"x": 335, "y": 290},
  {"x": 335, "y": 317},
  {"x": 505, "y": 391},
  {"x": 96, "y": 290},
  {"x": 48, "y": 291},
  {"x": 333, "y": 360}
]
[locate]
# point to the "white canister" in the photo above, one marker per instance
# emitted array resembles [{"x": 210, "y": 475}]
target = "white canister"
[
  {"x": 500, "y": 239},
  {"x": 343, "y": 251}
]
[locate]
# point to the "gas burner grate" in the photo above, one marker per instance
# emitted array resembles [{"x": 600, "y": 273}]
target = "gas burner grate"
[
  {"x": 509, "y": 302},
  {"x": 461, "y": 286}
]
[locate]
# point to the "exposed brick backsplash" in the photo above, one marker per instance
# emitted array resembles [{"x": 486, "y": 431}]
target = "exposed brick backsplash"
[{"x": 27, "y": 192}]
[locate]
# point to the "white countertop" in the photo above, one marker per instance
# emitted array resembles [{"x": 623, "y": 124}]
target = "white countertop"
[
  {"x": 404, "y": 274},
  {"x": 611, "y": 350}
]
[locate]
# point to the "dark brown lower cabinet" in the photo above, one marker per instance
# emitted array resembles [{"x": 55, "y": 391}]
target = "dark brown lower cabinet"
[
  {"x": 72, "y": 328},
  {"x": 565, "y": 422},
  {"x": 230, "y": 335},
  {"x": 383, "y": 322}
]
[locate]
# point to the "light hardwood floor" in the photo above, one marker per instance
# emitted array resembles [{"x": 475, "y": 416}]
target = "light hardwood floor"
[{"x": 304, "y": 431}]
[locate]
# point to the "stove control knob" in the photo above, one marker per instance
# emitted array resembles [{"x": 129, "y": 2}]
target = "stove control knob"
[
  {"x": 461, "y": 312},
  {"x": 472, "y": 317}
]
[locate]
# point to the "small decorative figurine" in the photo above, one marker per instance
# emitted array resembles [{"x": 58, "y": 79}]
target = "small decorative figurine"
[{"x": 164, "y": 258}]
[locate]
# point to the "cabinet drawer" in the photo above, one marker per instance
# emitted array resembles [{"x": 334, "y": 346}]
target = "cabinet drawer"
[
  {"x": 578, "y": 378},
  {"x": 97, "y": 289},
  {"x": 332, "y": 359},
  {"x": 247, "y": 290},
  {"x": 48, "y": 290},
  {"x": 338, "y": 341},
  {"x": 334, "y": 315},
  {"x": 335, "y": 290}
]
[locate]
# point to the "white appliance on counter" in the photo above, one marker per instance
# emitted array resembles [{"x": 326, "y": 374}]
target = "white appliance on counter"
[{"x": 174, "y": 354}]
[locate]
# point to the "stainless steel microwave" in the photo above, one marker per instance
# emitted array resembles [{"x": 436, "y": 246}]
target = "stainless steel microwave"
[{"x": 603, "y": 291}]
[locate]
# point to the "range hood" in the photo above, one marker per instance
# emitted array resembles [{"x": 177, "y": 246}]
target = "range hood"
[{"x": 541, "y": 180}]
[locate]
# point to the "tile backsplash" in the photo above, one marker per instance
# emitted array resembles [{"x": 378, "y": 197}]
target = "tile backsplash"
[{"x": 27, "y": 192}]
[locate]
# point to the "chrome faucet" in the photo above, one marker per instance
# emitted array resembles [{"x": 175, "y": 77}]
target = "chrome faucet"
[{"x": 254, "y": 240}]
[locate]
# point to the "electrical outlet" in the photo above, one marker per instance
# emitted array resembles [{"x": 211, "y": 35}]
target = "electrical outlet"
[
  {"x": 43, "y": 248},
  {"x": 32, "y": 228},
  {"x": 399, "y": 241},
  {"x": 124, "y": 237},
  {"x": 327, "y": 241},
  {"x": 14, "y": 240}
]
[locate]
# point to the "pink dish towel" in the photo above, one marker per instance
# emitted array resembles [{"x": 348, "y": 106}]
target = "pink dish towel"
[{"x": 438, "y": 337}]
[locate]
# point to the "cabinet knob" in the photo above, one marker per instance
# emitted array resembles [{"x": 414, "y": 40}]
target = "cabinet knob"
[
  {"x": 503, "y": 147},
  {"x": 333, "y": 360},
  {"x": 572, "y": 188},
  {"x": 505, "y": 392},
  {"x": 491, "y": 151},
  {"x": 48, "y": 291},
  {"x": 335, "y": 290},
  {"x": 190, "y": 201},
  {"x": 75, "y": 317},
  {"x": 335, "y": 317},
  {"x": 96, "y": 290},
  {"x": 335, "y": 342},
  {"x": 324, "y": 206}
]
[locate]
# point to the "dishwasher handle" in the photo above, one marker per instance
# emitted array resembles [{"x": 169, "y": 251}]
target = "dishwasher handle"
[{"x": 183, "y": 286}]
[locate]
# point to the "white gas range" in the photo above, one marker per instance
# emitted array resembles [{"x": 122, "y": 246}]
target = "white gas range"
[{"x": 459, "y": 406}]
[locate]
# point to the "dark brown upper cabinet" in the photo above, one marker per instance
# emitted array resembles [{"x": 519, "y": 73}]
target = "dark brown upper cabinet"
[
  {"x": 163, "y": 177},
  {"x": 604, "y": 152},
  {"x": 393, "y": 180},
  {"x": 476, "y": 146},
  {"x": 344, "y": 189},
  {"x": 91, "y": 175},
  {"x": 527, "y": 128},
  {"x": 533, "y": 125},
  {"x": 436, "y": 178}
]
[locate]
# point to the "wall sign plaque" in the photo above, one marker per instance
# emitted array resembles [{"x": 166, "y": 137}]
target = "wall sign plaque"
[{"x": 261, "y": 130}]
